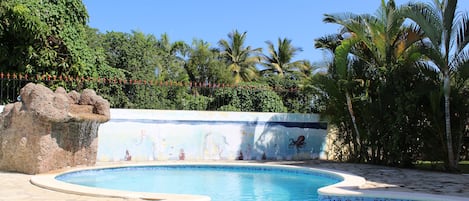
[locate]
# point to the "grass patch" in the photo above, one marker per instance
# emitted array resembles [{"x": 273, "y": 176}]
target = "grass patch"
[{"x": 463, "y": 166}]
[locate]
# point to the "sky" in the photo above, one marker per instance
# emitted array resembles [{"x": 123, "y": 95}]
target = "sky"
[{"x": 212, "y": 20}]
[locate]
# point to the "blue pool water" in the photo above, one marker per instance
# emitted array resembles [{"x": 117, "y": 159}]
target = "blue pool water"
[{"x": 221, "y": 183}]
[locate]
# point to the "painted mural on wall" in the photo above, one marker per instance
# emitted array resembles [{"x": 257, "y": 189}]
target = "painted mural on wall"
[{"x": 147, "y": 135}]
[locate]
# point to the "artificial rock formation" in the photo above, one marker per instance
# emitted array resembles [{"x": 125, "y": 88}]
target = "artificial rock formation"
[{"x": 48, "y": 130}]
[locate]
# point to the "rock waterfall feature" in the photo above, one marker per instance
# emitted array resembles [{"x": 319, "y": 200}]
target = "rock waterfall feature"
[{"x": 47, "y": 130}]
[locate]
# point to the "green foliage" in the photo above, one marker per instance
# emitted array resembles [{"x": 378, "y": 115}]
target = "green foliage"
[
  {"x": 269, "y": 102},
  {"x": 136, "y": 53},
  {"x": 204, "y": 66},
  {"x": 46, "y": 37},
  {"x": 396, "y": 95},
  {"x": 386, "y": 91},
  {"x": 229, "y": 108},
  {"x": 279, "y": 61},
  {"x": 247, "y": 98},
  {"x": 446, "y": 40},
  {"x": 292, "y": 94},
  {"x": 21, "y": 31},
  {"x": 170, "y": 60},
  {"x": 194, "y": 102},
  {"x": 241, "y": 61},
  {"x": 138, "y": 57},
  {"x": 54, "y": 39},
  {"x": 111, "y": 91},
  {"x": 51, "y": 38}
]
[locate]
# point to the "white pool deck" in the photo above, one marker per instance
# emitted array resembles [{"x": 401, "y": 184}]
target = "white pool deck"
[{"x": 363, "y": 181}]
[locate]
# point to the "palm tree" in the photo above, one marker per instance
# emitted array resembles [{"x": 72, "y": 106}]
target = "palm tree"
[
  {"x": 344, "y": 78},
  {"x": 446, "y": 40},
  {"x": 380, "y": 40},
  {"x": 378, "y": 43},
  {"x": 171, "y": 59},
  {"x": 279, "y": 61},
  {"x": 203, "y": 64},
  {"x": 240, "y": 60},
  {"x": 306, "y": 69}
]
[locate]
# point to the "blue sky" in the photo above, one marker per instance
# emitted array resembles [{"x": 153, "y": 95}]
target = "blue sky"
[{"x": 212, "y": 20}]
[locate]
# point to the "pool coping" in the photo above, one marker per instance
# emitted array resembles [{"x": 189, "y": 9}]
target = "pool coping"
[
  {"x": 48, "y": 181},
  {"x": 348, "y": 188}
]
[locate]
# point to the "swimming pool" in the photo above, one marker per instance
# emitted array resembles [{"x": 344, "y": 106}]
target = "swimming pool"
[
  {"x": 219, "y": 182},
  {"x": 347, "y": 189}
]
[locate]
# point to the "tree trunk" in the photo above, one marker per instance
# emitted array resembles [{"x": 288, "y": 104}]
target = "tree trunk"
[
  {"x": 352, "y": 116},
  {"x": 452, "y": 163}
]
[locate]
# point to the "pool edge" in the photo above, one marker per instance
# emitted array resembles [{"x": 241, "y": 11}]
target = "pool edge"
[
  {"x": 48, "y": 181},
  {"x": 348, "y": 188}
]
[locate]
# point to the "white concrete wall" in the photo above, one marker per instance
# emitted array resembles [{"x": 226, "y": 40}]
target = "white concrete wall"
[{"x": 201, "y": 135}]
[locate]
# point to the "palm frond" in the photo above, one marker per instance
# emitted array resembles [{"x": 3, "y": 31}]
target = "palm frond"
[
  {"x": 394, "y": 21},
  {"x": 426, "y": 68},
  {"x": 410, "y": 54},
  {"x": 449, "y": 11},
  {"x": 252, "y": 59},
  {"x": 341, "y": 56},
  {"x": 463, "y": 70},
  {"x": 328, "y": 42},
  {"x": 428, "y": 19},
  {"x": 278, "y": 61},
  {"x": 435, "y": 55},
  {"x": 340, "y": 18},
  {"x": 461, "y": 32},
  {"x": 241, "y": 60},
  {"x": 460, "y": 60},
  {"x": 406, "y": 42}
]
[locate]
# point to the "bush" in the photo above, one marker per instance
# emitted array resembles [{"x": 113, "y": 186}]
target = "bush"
[{"x": 249, "y": 97}]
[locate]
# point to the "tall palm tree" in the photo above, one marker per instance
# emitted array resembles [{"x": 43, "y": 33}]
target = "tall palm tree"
[
  {"x": 279, "y": 61},
  {"x": 240, "y": 60},
  {"x": 447, "y": 39},
  {"x": 379, "y": 43},
  {"x": 344, "y": 77}
]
